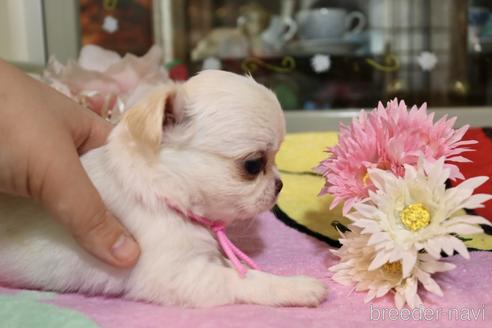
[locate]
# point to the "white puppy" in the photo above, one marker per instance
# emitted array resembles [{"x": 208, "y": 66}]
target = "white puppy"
[{"x": 205, "y": 147}]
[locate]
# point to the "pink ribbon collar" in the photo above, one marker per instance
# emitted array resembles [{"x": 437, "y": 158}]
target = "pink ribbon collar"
[{"x": 231, "y": 251}]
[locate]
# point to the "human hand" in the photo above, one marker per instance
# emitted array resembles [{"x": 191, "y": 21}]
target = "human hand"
[{"x": 42, "y": 135}]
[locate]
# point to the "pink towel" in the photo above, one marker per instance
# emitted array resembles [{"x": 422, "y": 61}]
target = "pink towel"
[{"x": 467, "y": 300}]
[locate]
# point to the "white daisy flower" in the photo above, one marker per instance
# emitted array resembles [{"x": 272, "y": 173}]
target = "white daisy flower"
[
  {"x": 353, "y": 269},
  {"x": 416, "y": 212}
]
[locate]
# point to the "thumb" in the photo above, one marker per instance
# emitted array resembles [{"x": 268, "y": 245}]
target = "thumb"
[{"x": 67, "y": 192}]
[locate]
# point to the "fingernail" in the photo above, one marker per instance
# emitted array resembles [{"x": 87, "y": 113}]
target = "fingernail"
[{"x": 125, "y": 248}]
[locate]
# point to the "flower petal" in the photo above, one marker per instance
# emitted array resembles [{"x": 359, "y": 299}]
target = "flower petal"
[
  {"x": 460, "y": 247},
  {"x": 464, "y": 229},
  {"x": 399, "y": 300},
  {"x": 380, "y": 259},
  {"x": 473, "y": 183},
  {"x": 408, "y": 262}
]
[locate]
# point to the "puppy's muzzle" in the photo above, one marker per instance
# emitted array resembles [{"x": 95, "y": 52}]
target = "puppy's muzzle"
[{"x": 278, "y": 186}]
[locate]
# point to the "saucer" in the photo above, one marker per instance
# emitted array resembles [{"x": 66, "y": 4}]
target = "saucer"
[{"x": 338, "y": 46}]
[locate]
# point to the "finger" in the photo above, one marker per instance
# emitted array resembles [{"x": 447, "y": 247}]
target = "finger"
[
  {"x": 69, "y": 195},
  {"x": 88, "y": 130},
  {"x": 99, "y": 130}
]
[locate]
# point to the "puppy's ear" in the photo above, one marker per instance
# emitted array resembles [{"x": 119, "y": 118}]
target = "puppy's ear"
[{"x": 156, "y": 110}]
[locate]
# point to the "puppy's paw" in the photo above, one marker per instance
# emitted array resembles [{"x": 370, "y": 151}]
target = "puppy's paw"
[
  {"x": 301, "y": 291},
  {"x": 267, "y": 289}
]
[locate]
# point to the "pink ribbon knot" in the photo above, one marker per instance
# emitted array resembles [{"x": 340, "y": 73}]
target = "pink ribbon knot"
[{"x": 233, "y": 253}]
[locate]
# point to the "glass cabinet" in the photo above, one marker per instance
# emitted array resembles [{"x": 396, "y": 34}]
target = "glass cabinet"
[
  {"x": 328, "y": 54},
  {"x": 314, "y": 54}
]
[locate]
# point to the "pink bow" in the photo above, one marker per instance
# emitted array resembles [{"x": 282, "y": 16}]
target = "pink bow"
[{"x": 232, "y": 252}]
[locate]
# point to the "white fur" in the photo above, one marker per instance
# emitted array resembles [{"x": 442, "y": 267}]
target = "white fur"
[{"x": 221, "y": 119}]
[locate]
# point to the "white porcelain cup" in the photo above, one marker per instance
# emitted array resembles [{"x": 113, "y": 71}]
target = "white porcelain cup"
[
  {"x": 329, "y": 23},
  {"x": 280, "y": 30}
]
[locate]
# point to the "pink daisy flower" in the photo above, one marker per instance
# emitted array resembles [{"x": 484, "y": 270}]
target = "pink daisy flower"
[{"x": 387, "y": 138}]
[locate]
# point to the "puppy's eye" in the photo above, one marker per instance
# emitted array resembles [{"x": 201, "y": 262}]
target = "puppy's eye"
[{"x": 254, "y": 166}]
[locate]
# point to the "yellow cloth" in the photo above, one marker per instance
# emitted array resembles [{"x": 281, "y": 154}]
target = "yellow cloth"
[{"x": 299, "y": 204}]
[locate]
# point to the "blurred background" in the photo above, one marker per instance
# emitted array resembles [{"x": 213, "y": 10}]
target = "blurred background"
[{"x": 316, "y": 55}]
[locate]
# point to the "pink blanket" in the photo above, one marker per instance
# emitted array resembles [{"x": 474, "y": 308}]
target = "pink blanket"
[{"x": 281, "y": 250}]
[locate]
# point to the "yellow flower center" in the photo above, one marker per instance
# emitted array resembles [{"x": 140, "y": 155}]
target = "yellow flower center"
[
  {"x": 415, "y": 216},
  {"x": 365, "y": 178},
  {"x": 392, "y": 268}
]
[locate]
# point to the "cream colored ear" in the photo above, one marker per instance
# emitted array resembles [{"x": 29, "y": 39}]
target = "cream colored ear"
[{"x": 146, "y": 119}]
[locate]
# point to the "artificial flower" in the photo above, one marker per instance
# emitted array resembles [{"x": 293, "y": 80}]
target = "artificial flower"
[
  {"x": 406, "y": 215},
  {"x": 388, "y": 138},
  {"x": 105, "y": 82},
  {"x": 354, "y": 269}
]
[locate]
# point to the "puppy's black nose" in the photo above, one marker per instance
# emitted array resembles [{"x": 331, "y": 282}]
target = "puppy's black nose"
[{"x": 278, "y": 185}]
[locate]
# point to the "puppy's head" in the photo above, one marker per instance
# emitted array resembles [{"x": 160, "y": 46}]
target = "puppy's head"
[{"x": 207, "y": 146}]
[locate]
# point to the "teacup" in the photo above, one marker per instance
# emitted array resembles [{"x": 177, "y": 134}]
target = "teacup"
[
  {"x": 329, "y": 23},
  {"x": 280, "y": 30}
]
